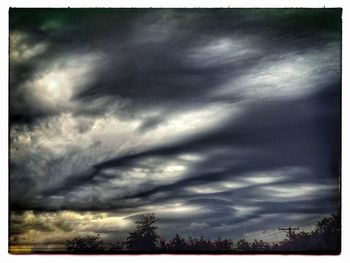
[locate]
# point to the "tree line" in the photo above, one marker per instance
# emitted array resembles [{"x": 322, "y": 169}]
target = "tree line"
[{"x": 324, "y": 239}]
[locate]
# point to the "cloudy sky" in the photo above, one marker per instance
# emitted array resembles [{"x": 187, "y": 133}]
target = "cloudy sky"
[{"x": 223, "y": 122}]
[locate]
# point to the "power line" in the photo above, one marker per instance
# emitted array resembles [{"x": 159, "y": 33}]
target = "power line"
[
  {"x": 275, "y": 235},
  {"x": 289, "y": 229},
  {"x": 266, "y": 235},
  {"x": 262, "y": 233},
  {"x": 257, "y": 233}
]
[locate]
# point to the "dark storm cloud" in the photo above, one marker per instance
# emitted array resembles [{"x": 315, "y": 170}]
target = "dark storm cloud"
[
  {"x": 71, "y": 182},
  {"x": 147, "y": 49},
  {"x": 274, "y": 134},
  {"x": 280, "y": 68},
  {"x": 147, "y": 60}
]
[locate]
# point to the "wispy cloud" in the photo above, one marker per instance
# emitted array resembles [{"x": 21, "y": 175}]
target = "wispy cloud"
[{"x": 221, "y": 121}]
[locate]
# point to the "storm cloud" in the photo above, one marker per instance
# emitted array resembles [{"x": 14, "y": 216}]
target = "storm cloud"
[{"x": 221, "y": 121}]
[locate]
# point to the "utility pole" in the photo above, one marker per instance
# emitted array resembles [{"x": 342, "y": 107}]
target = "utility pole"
[{"x": 288, "y": 230}]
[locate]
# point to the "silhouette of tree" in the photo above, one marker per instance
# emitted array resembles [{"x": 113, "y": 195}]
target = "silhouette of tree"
[
  {"x": 242, "y": 245},
  {"x": 177, "y": 243},
  {"x": 115, "y": 246},
  {"x": 324, "y": 239},
  {"x": 145, "y": 236},
  {"x": 328, "y": 230},
  {"x": 88, "y": 244},
  {"x": 200, "y": 244},
  {"x": 163, "y": 244},
  {"x": 298, "y": 242},
  {"x": 259, "y": 245},
  {"x": 223, "y": 245}
]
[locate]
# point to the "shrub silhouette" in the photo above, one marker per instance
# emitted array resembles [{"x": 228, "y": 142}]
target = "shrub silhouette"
[
  {"x": 223, "y": 244},
  {"x": 115, "y": 246},
  {"x": 88, "y": 244},
  {"x": 177, "y": 243},
  {"x": 260, "y": 245},
  {"x": 242, "y": 245}
]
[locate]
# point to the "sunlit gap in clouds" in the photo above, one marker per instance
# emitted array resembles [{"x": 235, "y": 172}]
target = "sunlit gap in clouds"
[
  {"x": 288, "y": 75},
  {"x": 57, "y": 86}
]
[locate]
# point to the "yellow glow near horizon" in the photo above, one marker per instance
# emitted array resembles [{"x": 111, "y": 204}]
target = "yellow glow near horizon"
[
  {"x": 20, "y": 249},
  {"x": 61, "y": 226}
]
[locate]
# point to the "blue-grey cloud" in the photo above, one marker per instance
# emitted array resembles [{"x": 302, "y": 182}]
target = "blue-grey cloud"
[{"x": 223, "y": 121}]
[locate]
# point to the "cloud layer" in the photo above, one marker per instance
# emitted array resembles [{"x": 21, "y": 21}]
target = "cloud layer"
[{"x": 221, "y": 121}]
